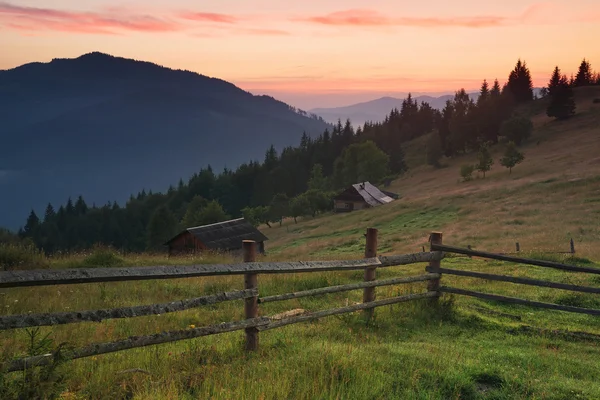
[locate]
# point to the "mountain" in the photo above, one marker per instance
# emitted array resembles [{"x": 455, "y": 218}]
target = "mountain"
[
  {"x": 105, "y": 127},
  {"x": 376, "y": 110}
]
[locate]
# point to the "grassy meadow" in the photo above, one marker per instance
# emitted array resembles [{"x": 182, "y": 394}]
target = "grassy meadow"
[{"x": 463, "y": 348}]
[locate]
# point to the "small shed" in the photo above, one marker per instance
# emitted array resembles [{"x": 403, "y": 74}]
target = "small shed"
[
  {"x": 223, "y": 236},
  {"x": 362, "y": 195}
]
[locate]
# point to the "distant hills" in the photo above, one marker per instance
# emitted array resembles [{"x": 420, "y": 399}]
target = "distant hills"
[
  {"x": 376, "y": 110},
  {"x": 106, "y": 127}
]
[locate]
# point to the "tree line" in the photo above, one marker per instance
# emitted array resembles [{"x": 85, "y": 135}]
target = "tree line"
[{"x": 302, "y": 180}]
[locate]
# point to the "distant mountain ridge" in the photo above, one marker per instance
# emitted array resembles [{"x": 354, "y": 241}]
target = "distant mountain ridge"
[
  {"x": 376, "y": 110},
  {"x": 106, "y": 127}
]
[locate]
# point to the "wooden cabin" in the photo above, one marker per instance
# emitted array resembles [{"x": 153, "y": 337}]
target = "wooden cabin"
[
  {"x": 224, "y": 236},
  {"x": 362, "y": 195}
]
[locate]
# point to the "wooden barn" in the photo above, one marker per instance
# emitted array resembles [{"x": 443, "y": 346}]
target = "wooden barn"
[
  {"x": 362, "y": 195},
  {"x": 224, "y": 236}
]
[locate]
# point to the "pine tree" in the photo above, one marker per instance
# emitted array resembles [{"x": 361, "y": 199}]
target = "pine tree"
[
  {"x": 49, "y": 214},
  {"x": 485, "y": 160},
  {"x": 69, "y": 208},
  {"x": 562, "y": 102},
  {"x": 554, "y": 80},
  {"x": 512, "y": 157},
  {"x": 317, "y": 181},
  {"x": 271, "y": 159},
  {"x": 80, "y": 206},
  {"x": 516, "y": 129},
  {"x": 434, "y": 150},
  {"x": 484, "y": 93},
  {"x": 162, "y": 227},
  {"x": 496, "y": 91},
  {"x": 32, "y": 225},
  {"x": 585, "y": 76},
  {"x": 520, "y": 84}
]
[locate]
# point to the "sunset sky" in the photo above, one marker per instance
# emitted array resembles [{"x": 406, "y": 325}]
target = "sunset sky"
[{"x": 314, "y": 53}]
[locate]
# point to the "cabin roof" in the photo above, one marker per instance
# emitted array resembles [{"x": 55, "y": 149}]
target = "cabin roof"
[
  {"x": 225, "y": 235},
  {"x": 369, "y": 193}
]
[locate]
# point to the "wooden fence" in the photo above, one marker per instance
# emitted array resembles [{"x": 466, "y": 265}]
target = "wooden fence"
[
  {"x": 435, "y": 267},
  {"x": 250, "y": 269}
]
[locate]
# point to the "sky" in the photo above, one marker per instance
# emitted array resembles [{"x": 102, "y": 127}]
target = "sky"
[{"x": 315, "y": 53}]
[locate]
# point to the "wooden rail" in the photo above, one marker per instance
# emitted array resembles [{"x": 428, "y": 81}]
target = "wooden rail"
[
  {"x": 515, "y": 300},
  {"x": 520, "y": 260},
  {"x": 438, "y": 246},
  {"x": 252, "y": 324},
  {"x": 9, "y": 279},
  {"x": 49, "y": 319},
  {"x": 345, "y": 288}
]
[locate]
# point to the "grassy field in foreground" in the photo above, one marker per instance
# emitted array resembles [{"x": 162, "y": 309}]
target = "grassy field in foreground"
[{"x": 462, "y": 349}]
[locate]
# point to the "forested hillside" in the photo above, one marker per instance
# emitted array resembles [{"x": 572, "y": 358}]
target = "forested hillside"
[
  {"x": 104, "y": 127},
  {"x": 301, "y": 180}
]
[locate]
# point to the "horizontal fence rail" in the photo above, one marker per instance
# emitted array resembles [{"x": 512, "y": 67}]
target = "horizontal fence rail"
[
  {"x": 346, "y": 288},
  {"x": 520, "y": 260},
  {"x": 524, "y": 281},
  {"x": 344, "y": 310},
  {"x": 514, "y": 300},
  {"x": 10, "y": 279},
  {"x": 517, "y": 280},
  {"x": 133, "y": 342},
  {"x": 59, "y": 318}
]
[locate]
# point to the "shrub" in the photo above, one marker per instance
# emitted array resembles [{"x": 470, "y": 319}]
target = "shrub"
[
  {"x": 466, "y": 171},
  {"x": 21, "y": 256},
  {"x": 103, "y": 257},
  {"x": 516, "y": 129}
]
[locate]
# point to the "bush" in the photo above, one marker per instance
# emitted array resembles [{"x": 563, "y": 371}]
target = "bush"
[
  {"x": 516, "y": 129},
  {"x": 466, "y": 171},
  {"x": 103, "y": 257},
  {"x": 15, "y": 256}
]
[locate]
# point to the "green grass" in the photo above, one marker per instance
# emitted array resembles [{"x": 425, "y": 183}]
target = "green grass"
[{"x": 410, "y": 350}]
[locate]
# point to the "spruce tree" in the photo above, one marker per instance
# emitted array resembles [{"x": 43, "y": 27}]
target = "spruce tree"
[
  {"x": 162, "y": 227},
  {"x": 512, "y": 157},
  {"x": 32, "y": 225},
  {"x": 485, "y": 160},
  {"x": 520, "y": 84},
  {"x": 484, "y": 92},
  {"x": 585, "y": 76},
  {"x": 49, "y": 214},
  {"x": 554, "y": 80},
  {"x": 496, "y": 91},
  {"x": 562, "y": 102}
]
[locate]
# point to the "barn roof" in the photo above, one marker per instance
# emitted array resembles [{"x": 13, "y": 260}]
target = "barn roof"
[
  {"x": 371, "y": 194},
  {"x": 226, "y": 235}
]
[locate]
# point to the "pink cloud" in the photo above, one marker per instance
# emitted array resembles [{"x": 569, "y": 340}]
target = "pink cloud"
[
  {"x": 36, "y": 19},
  {"x": 546, "y": 12},
  {"x": 209, "y": 17},
  {"x": 264, "y": 32},
  {"x": 370, "y": 18}
]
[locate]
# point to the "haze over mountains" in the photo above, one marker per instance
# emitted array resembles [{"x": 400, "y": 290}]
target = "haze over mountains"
[
  {"x": 376, "y": 110},
  {"x": 106, "y": 127}
]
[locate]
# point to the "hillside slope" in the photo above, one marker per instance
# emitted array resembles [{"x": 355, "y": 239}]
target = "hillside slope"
[
  {"x": 105, "y": 127},
  {"x": 549, "y": 198}
]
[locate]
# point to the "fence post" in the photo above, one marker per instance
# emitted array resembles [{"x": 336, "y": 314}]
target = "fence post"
[
  {"x": 370, "y": 252},
  {"x": 251, "y": 303},
  {"x": 572, "y": 246},
  {"x": 434, "y": 266},
  {"x": 518, "y": 247}
]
